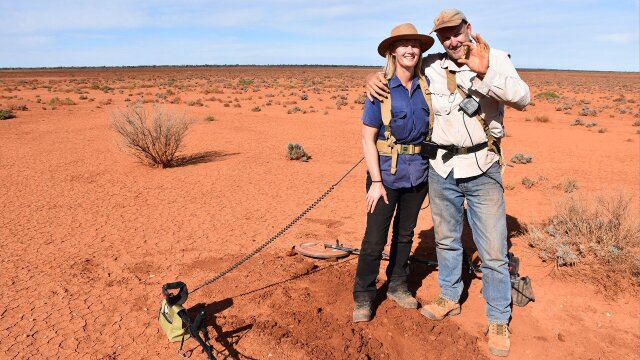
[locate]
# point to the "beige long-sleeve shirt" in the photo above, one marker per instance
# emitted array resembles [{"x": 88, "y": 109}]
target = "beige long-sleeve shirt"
[{"x": 500, "y": 86}]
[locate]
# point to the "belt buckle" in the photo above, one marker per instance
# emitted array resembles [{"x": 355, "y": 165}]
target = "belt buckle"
[{"x": 404, "y": 148}]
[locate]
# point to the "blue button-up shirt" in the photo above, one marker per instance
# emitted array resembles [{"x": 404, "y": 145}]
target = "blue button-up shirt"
[{"x": 409, "y": 125}]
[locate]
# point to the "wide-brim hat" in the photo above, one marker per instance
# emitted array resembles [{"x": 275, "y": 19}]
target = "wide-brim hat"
[
  {"x": 405, "y": 32},
  {"x": 447, "y": 18}
]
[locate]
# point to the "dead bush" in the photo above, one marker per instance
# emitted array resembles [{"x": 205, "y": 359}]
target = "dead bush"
[
  {"x": 595, "y": 241},
  {"x": 154, "y": 137}
]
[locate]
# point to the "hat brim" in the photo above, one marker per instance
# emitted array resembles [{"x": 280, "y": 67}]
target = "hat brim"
[
  {"x": 426, "y": 42},
  {"x": 449, "y": 23}
]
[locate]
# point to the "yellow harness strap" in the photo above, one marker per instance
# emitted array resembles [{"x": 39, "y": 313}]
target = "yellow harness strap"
[{"x": 389, "y": 146}]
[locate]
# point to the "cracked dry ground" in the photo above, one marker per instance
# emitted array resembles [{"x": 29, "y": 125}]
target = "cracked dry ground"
[{"x": 89, "y": 235}]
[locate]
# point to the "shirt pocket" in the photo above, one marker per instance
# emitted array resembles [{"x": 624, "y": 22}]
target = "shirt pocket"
[{"x": 400, "y": 128}]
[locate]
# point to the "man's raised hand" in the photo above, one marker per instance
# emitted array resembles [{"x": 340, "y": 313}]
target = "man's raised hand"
[
  {"x": 477, "y": 58},
  {"x": 376, "y": 87}
]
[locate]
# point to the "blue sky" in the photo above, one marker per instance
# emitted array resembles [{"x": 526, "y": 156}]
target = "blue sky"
[{"x": 560, "y": 34}]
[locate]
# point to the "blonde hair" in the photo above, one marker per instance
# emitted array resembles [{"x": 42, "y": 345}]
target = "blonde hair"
[{"x": 390, "y": 66}]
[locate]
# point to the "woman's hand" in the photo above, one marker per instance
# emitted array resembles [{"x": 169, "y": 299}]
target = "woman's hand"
[{"x": 376, "y": 191}]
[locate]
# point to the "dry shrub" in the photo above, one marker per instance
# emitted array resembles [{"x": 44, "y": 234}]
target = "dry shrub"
[
  {"x": 598, "y": 242},
  {"x": 296, "y": 152},
  {"x": 6, "y": 114},
  {"x": 154, "y": 137}
]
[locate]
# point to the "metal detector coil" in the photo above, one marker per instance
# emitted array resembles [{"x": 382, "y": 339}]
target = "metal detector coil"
[{"x": 320, "y": 250}]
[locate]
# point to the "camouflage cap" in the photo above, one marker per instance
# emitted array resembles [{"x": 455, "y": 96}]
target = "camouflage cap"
[{"x": 448, "y": 17}]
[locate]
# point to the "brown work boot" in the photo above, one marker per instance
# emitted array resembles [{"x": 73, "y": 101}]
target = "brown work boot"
[
  {"x": 499, "y": 341},
  {"x": 440, "y": 308},
  {"x": 362, "y": 311},
  {"x": 404, "y": 298}
]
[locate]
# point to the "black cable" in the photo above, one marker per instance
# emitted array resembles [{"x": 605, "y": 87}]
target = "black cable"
[
  {"x": 484, "y": 172},
  {"x": 279, "y": 233}
]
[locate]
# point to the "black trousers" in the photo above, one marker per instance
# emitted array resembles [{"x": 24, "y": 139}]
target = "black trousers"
[{"x": 406, "y": 204}]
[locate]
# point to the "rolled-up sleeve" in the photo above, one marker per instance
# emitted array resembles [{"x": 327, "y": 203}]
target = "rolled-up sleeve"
[{"x": 503, "y": 83}]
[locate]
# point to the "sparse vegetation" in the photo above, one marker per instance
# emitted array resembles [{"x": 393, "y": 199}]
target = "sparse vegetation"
[
  {"x": 569, "y": 185},
  {"x": 602, "y": 130},
  {"x": 519, "y": 158},
  {"x": 590, "y": 124},
  {"x": 577, "y": 122},
  {"x": 528, "y": 183},
  {"x": 154, "y": 137},
  {"x": 56, "y": 101},
  {"x": 360, "y": 99},
  {"x": 541, "y": 118},
  {"x": 210, "y": 118},
  {"x": 6, "y": 114},
  {"x": 597, "y": 242},
  {"x": 294, "y": 110},
  {"x": 547, "y": 95},
  {"x": 256, "y": 109},
  {"x": 296, "y": 152}
]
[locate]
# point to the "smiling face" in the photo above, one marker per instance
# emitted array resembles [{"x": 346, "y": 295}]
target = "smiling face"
[
  {"x": 406, "y": 53},
  {"x": 453, "y": 37}
]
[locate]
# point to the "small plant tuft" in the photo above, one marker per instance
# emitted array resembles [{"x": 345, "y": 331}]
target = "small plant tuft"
[
  {"x": 519, "y": 158},
  {"x": 296, "y": 152},
  {"x": 528, "y": 183},
  {"x": 569, "y": 185},
  {"x": 6, "y": 114},
  {"x": 577, "y": 122},
  {"x": 547, "y": 95}
]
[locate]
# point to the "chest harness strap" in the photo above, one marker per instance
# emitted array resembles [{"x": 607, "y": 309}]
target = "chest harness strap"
[
  {"x": 389, "y": 146},
  {"x": 492, "y": 143}
]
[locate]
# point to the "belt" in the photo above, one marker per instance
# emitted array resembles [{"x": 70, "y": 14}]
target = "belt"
[
  {"x": 455, "y": 150},
  {"x": 403, "y": 149}
]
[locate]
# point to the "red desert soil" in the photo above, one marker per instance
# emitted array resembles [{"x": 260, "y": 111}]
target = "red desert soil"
[{"x": 89, "y": 235}]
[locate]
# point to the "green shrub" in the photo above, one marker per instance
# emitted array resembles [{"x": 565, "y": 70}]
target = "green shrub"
[{"x": 547, "y": 95}]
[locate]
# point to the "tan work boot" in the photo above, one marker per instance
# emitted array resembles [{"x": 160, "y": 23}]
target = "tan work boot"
[
  {"x": 403, "y": 298},
  {"x": 499, "y": 341},
  {"x": 440, "y": 308},
  {"x": 362, "y": 312}
]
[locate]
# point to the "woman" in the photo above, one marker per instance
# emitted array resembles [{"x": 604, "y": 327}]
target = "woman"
[{"x": 396, "y": 173}]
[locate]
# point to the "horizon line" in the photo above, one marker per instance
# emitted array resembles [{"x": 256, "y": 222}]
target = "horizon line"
[{"x": 255, "y": 65}]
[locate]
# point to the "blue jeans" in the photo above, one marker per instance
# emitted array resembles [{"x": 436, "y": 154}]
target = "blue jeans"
[{"x": 487, "y": 217}]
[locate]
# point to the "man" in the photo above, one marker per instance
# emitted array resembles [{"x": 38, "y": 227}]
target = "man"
[{"x": 465, "y": 165}]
